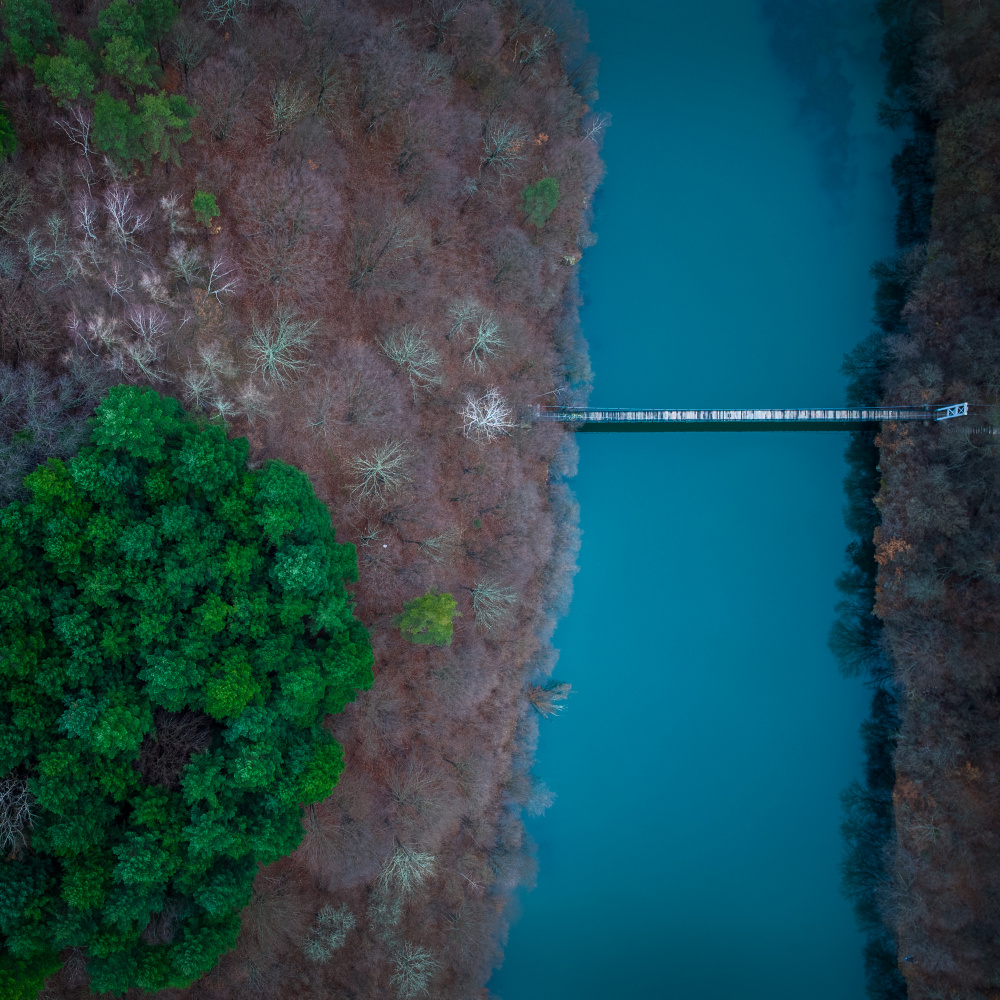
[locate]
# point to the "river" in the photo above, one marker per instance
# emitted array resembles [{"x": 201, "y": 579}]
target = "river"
[{"x": 692, "y": 850}]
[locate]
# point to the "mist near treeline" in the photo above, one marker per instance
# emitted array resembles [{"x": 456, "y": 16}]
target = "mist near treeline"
[{"x": 694, "y": 843}]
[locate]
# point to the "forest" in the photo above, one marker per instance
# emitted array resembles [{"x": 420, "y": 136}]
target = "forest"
[
  {"x": 920, "y": 833},
  {"x": 331, "y": 236}
]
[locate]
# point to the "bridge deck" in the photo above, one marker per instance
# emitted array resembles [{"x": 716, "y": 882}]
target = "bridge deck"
[{"x": 832, "y": 418}]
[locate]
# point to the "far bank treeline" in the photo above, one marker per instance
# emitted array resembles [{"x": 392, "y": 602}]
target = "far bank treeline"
[
  {"x": 920, "y": 847},
  {"x": 346, "y": 232}
]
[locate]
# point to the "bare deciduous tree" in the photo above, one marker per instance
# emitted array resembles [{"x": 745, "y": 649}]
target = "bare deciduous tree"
[
  {"x": 593, "y": 125},
  {"x": 276, "y": 910},
  {"x": 440, "y": 14},
  {"x": 223, "y": 278},
  {"x": 288, "y": 106},
  {"x": 382, "y": 471},
  {"x": 175, "y": 212},
  {"x": 216, "y": 361},
  {"x": 492, "y": 604},
  {"x": 147, "y": 322},
  {"x": 544, "y": 699},
  {"x": 486, "y": 417},
  {"x": 442, "y": 547},
  {"x": 383, "y": 85},
  {"x": 486, "y": 341},
  {"x": 15, "y": 197},
  {"x": 328, "y": 933},
  {"x": 151, "y": 282},
  {"x": 76, "y": 126},
  {"x": 413, "y": 968},
  {"x": 197, "y": 383},
  {"x": 504, "y": 145},
  {"x": 287, "y": 215},
  {"x": 221, "y": 85},
  {"x": 223, "y": 11},
  {"x": 192, "y": 43},
  {"x": 381, "y": 242},
  {"x": 125, "y": 219},
  {"x": 86, "y": 216},
  {"x": 184, "y": 261},
  {"x": 278, "y": 346},
  {"x": 15, "y": 814},
  {"x": 253, "y": 403},
  {"x": 405, "y": 871},
  {"x": 407, "y": 347},
  {"x": 117, "y": 281}
]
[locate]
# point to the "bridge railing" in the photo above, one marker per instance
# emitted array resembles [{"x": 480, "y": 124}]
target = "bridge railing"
[{"x": 830, "y": 416}]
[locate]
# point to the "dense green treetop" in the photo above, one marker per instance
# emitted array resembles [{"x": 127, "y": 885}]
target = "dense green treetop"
[
  {"x": 28, "y": 25},
  {"x": 173, "y": 629}
]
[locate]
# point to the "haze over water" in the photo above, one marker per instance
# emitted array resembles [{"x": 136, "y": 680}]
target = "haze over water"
[{"x": 692, "y": 850}]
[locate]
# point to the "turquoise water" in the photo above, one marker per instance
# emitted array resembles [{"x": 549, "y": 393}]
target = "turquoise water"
[{"x": 692, "y": 850}]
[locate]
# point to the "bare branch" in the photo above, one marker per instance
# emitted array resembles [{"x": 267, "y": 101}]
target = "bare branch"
[
  {"x": 486, "y": 417},
  {"x": 486, "y": 341},
  {"x": 277, "y": 345},
  {"x": 222, "y": 277},
  {"x": 76, "y": 126},
  {"x": 492, "y": 604},
  {"x": 125, "y": 220},
  {"x": 15, "y": 814},
  {"x": 382, "y": 471},
  {"x": 184, "y": 261},
  {"x": 289, "y": 105},
  {"x": 505, "y": 143},
  {"x": 408, "y": 349}
]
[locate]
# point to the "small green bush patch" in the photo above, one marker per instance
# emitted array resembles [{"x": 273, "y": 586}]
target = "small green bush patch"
[
  {"x": 205, "y": 207},
  {"x": 428, "y": 620},
  {"x": 540, "y": 200}
]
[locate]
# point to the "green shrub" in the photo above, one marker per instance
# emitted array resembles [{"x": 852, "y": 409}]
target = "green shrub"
[
  {"x": 428, "y": 619},
  {"x": 173, "y": 629},
  {"x": 540, "y": 200},
  {"x": 8, "y": 137},
  {"x": 204, "y": 207}
]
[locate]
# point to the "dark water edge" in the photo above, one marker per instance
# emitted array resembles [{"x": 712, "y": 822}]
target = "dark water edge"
[{"x": 857, "y": 638}]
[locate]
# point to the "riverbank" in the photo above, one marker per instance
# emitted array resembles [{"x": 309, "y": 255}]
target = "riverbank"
[
  {"x": 376, "y": 267},
  {"x": 936, "y": 547}
]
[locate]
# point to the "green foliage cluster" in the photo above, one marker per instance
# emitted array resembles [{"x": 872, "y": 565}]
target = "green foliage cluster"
[
  {"x": 540, "y": 200},
  {"x": 125, "y": 39},
  {"x": 152, "y": 586},
  {"x": 28, "y": 24},
  {"x": 428, "y": 619},
  {"x": 205, "y": 208},
  {"x": 158, "y": 126},
  {"x": 8, "y": 137}
]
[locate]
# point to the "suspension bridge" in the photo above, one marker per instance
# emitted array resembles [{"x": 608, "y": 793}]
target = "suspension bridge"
[{"x": 831, "y": 418}]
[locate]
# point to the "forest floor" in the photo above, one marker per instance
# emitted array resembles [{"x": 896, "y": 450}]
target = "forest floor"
[{"x": 368, "y": 161}]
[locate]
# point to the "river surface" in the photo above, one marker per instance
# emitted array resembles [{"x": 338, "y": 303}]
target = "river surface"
[{"x": 692, "y": 850}]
